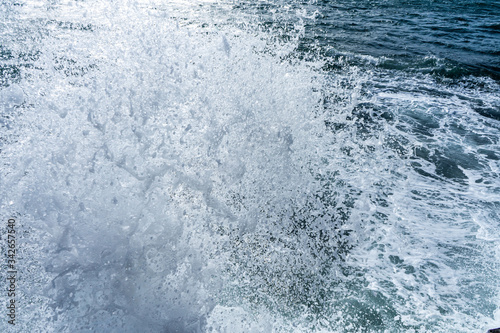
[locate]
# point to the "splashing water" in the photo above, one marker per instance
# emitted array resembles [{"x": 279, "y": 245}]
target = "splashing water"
[{"x": 181, "y": 167}]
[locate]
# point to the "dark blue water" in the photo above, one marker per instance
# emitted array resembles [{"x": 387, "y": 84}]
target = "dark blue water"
[
  {"x": 463, "y": 34},
  {"x": 241, "y": 166}
]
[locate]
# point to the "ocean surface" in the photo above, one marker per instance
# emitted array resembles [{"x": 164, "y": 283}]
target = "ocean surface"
[{"x": 251, "y": 166}]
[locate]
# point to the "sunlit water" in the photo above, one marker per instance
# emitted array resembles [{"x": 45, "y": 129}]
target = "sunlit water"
[{"x": 199, "y": 166}]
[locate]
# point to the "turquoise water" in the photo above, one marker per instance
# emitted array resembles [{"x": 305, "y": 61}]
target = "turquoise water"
[{"x": 270, "y": 166}]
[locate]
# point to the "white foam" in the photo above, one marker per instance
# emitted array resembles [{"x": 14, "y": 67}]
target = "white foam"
[{"x": 175, "y": 173}]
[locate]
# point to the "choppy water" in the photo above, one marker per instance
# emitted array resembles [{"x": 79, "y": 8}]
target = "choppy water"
[{"x": 237, "y": 166}]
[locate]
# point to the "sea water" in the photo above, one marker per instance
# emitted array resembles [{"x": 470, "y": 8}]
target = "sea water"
[{"x": 251, "y": 166}]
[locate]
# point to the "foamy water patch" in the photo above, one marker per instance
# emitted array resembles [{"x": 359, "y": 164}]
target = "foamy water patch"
[
  {"x": 180, "y": 176},
  {"x": 162, "y": 179}
]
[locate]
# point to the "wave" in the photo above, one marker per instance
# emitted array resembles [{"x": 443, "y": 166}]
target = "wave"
[{"x": 185, "y": 167}]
